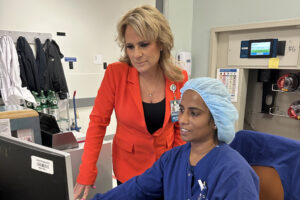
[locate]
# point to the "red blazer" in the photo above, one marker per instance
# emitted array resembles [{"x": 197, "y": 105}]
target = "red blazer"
[{"x": 134, "y": 148}]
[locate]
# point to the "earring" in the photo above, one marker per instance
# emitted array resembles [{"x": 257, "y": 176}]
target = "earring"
[{"x": 215, "y": 127}]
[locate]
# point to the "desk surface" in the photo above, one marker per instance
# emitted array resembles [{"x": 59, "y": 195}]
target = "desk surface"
[{"x": 16, "y": 112}]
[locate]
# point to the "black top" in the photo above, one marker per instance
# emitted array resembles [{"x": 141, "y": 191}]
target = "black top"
[{"x": 154, "y": 115}]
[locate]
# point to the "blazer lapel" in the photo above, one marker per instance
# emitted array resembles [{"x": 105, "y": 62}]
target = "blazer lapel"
[{"x": 134, "y": 88}]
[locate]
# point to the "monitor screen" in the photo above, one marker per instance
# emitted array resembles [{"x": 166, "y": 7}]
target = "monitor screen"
[
  {"x": 31, "y": 171},
  {"x": 261, "y": 48}
]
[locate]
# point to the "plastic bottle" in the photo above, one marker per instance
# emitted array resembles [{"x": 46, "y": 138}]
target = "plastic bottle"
[
  {"x": 54, "y": 105},
  {"x": 49, "y": 100},
  {"x": 38, "y": 106},
  {"x": 44, "y": 102},
  {"x": 29, "y": 104}
]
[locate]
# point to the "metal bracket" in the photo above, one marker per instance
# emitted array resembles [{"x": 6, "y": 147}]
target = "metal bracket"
[
  {"x": 276, "y": 112},
  {"x": 30, "y": 36},
  {"x": 276, "y": 89}
]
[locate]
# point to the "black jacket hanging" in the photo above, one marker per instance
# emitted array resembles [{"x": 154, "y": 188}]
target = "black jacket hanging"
[
  {"x": 56, "y": 73},
  {"x": 28, "y": 68},
  {"x": 42, "y": 65}
]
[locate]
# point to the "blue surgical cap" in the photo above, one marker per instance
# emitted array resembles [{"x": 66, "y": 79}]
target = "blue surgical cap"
[{"x": 217, "y": 99}]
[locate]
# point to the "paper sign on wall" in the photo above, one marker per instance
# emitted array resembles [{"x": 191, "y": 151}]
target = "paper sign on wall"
[
  {"x": 230, "y": 78},
  {"x": 273, "y": 63}
]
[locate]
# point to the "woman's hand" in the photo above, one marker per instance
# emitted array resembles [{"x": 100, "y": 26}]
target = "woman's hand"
[{"x": 78, "y": 188}]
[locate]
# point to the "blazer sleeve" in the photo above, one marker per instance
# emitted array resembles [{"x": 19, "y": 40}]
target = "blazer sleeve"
[
  {"x": 99, "y": 120},
  {"x": 177, "y": 138}
]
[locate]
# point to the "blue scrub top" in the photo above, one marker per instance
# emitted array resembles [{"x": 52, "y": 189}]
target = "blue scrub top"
[{"x": 221, "y": 174}]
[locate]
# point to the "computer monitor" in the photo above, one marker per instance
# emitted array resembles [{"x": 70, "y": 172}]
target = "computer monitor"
[{"x": 31, "y": 171}]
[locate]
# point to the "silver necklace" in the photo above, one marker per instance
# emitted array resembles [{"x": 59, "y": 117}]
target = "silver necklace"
[{"x": 149, "y": 93}]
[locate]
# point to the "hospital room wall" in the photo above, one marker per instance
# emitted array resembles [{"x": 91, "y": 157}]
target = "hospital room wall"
[
  {"x": 214, "y": 13},
  {"x": 180, "y": 16},
  {"x": 90, "y": 28}
]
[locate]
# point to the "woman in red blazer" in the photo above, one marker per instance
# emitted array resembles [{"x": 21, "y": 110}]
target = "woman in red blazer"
[{"x": 142, "y": 88}]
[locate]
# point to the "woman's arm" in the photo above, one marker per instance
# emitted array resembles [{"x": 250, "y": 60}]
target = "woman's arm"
[
  {"x": 149, "y": 185},
  {"x": 99, "y": 120}
]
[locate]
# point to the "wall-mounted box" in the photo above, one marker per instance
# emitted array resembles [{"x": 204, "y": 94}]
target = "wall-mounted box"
[
  {"x": 290, "y": 58},
  {"x": 225, "y": 53}
]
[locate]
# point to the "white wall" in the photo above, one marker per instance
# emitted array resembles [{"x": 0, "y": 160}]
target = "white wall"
[
  {"x": 90, "y": 28},
  {"x": 180, "y": 16},
  {"x": 215, "y": 13}
]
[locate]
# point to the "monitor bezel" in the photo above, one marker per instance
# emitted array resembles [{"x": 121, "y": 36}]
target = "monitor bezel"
[{"x": 67, "y": 157}]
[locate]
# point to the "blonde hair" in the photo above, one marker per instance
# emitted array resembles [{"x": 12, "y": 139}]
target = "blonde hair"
[{"x": 150, "y": 24}]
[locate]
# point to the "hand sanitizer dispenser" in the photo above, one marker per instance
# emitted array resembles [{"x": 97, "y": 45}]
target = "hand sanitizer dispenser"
[{"x": 184, "y": 60}]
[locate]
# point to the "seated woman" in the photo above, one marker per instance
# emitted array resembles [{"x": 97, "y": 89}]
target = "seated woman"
[{"x": 205, "y": 167}]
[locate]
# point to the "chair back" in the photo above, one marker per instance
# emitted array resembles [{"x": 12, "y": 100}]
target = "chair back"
[{"x": 275, "y": 159}]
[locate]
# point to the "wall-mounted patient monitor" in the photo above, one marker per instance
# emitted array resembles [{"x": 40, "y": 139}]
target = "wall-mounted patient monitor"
[{"x": 263, "y": 48}]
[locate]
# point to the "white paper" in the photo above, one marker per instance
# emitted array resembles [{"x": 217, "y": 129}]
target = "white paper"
[
  {"x": 230, "y": 78},
  {"x": 5, "y": 127}
]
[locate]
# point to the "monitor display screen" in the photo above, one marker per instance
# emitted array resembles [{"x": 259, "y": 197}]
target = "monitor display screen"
[
  {"x": 260, "y": 48},
  {"x": 31, "y": 171}
]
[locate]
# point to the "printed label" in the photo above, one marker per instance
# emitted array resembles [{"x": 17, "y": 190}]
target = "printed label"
[{"x": 42, "y": 165}]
